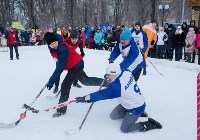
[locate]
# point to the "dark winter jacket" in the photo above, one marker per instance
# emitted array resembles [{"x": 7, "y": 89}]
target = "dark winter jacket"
[
  {"x": 2, "y": 30},
  {"x": 194, "y": 26},
  {"x": 92, "y": 33},
  {"x": 117, "y": 34},
  {"x": 170, "y": 38},
  {"x": 185, "y": 29},
  {"x": 25, "y": 35},
  {"x": 179, "y": 40}
]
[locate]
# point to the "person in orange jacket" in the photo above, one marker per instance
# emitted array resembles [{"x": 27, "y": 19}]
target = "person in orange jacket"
[{"x": 150, "y": 30}]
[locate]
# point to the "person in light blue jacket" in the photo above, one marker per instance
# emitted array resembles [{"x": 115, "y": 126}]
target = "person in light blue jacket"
[
  {"x": 131, "y": 100},
  {"x": 98, "y": 36},
  {"x": 132, "y": 58}
]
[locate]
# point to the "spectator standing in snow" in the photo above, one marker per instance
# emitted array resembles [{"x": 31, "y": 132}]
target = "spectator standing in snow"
[
  {"x": 192, "y": 24},
  {"x": 91, "y": 44},
  {"x": 83, "y": 37},
  {"x": 170, "y": 44},
  {"x": 118, "y": 32},
  {"x": 179, "y": 38},
  {"x": 26, "y": 37},
  {"x": 160, "y": 47},
  {"x": 98, "y": 36},
  {"x": 38, "y": 35},
  {"x": 198, "y": 44},
  {"x": 131, "y": 100},
  {"x": 12, "y": 41},
  {"x": 132, "y": 58},
  {"x": 67, "y": 59},
  {"x": 184, "y": 27},
  {"x": 3, "y": 41},
  {"x": 2, "y": 30},
  {"x": 33, "y": 39},
  {"x": 190, "y": 44}
]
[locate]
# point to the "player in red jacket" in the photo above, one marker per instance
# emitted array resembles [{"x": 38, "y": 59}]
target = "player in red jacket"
[{"x": 67, "y": 59}]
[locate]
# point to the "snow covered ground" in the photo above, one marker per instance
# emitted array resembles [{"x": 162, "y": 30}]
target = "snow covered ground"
[{"x": 171, "y": 99}]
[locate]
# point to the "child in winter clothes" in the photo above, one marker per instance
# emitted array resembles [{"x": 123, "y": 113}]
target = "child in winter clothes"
[
  {"x": 190, "y": 44},
  {"x": 131, "y": 100},
  {"x": 160, "y": 48},
  {"x": 198, "y": 44}
]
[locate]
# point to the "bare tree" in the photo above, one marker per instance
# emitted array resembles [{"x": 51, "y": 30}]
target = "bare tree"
[{"x": 59, "y": 13}]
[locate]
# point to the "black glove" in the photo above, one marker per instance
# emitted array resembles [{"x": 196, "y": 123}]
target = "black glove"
[
  {"x": 82, "y": 54},
  {"x": 82, "y": 100},
  {"x": 111, "y": 61},
  {"x": 49, "y": 86}
]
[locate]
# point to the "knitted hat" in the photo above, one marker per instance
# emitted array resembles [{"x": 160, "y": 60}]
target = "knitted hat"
[
  {"x": 113, "y": 68},
  {"x": 125, "y": 35},
  {"x": 50, "y": 37},
  {"x": 170, "y": 26},
  {"x": 139, "y": 24},
  {"x": 161, "y": 29},
  {"x": 154, "y": 21},
  {"x": 74, "y": 34}
]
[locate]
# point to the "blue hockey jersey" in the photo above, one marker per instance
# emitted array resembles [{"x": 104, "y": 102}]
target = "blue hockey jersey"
[
  {"x": 125, "y": 89},
  {"x": 133, "y": 59}
]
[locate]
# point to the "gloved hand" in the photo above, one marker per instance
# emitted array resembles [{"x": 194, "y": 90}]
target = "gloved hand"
[
  {"x": 49, "y": 86},
  {"x": 82, "y": 100},
  {"x": 111, "y": 61},
  {"x": 82, "y": 54}
]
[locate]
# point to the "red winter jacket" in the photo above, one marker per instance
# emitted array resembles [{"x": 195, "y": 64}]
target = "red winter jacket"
[
  {"x": 198, "y": 41},
  {"x": 12, "y": 37},
  {"x": 73, "y": 58},
  {"x": 78, "y": 44}
]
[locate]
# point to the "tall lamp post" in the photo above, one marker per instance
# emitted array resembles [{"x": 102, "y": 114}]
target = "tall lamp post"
[{"x": 163, "y": 9}]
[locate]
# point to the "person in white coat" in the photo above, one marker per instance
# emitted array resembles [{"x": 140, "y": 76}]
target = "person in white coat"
[{"x": 162, "y": 37}]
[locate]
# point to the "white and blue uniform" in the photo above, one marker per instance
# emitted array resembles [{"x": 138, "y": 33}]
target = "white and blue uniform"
[
  {"x": 141, "y": 36},
  {"x": 125, "y": 89},
  {"x": 133, "y": 59}
]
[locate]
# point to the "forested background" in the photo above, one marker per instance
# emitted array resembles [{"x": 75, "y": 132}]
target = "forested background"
[{"x": 65, "y": 13}]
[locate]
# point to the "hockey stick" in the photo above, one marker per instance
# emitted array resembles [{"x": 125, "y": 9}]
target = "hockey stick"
[
  {"x": 33, "y": 110},
  {"x": 151, "y": 62},
  {"x": 22, "y": 115},
  {"x": 74, "y": 131},
  {"x": 53, "y": 97}
]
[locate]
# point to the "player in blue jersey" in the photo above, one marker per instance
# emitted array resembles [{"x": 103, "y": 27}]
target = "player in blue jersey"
[
  {"x": 132, "y": 58},
  {"x": 131, "y": 100}
]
